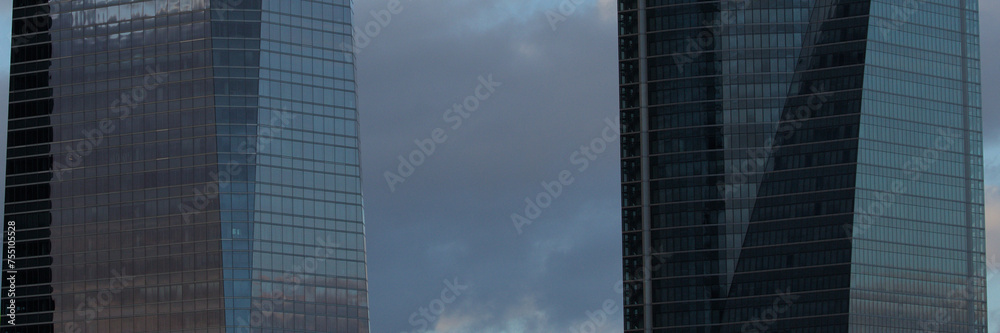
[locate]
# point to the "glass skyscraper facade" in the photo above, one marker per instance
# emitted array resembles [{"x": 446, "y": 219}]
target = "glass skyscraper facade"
[
  {"x": 802, "y": 166},
  {"x": 185, "y": 166}
]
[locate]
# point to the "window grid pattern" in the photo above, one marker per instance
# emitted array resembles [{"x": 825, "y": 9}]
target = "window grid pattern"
[
  {"x": 110, "y": 125},
  {"x": 919, "y": 249},
  {"x": 233, "y": 181},
  {"x": 754, "y": 120}
]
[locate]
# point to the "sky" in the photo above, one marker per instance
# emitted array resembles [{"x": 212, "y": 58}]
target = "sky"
[
  {"x": 542, "y": 86},
  {"x": 990, "y": 54},
  {"x": 451, "y": 219}
]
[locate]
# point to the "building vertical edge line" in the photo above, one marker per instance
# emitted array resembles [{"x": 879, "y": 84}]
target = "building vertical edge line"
[
  {"x": 967, "y": 157},
  {"x": 647, "y": 251}
]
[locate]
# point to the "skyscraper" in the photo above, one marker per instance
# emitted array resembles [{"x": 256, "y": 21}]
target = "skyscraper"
[
  {"x": 802, "y": 166},
  {"x": 185, "y": 165}
]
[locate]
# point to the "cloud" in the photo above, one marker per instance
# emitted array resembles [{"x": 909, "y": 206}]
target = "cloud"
[
  {"x": 993, "y": 253},
  {"x": 991, "y": 70},
  {"x": 991, "y": 166},
  {"x": 524, "y": 316},
  {"x": 451, "y": 217},
  {"x": 608, "y": 10},
  {"x": 991, "y": 140},
  {"x": 993, "y": 219}
]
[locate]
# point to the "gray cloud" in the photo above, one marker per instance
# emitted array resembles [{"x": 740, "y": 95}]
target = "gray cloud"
[
  {"x": 990, "y": 54},
  {"x": 451, "y": 218},
  {"x": 988, "y": 26}
]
